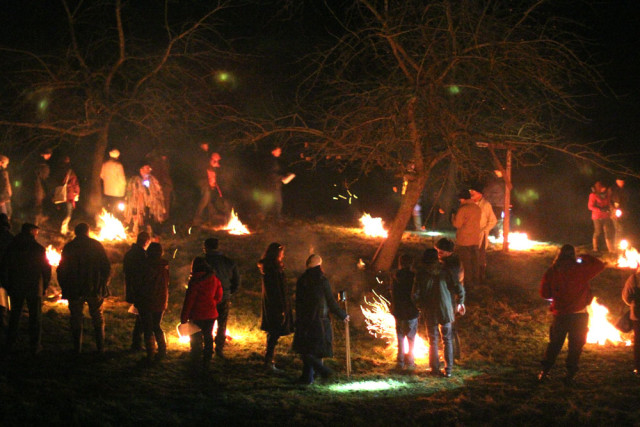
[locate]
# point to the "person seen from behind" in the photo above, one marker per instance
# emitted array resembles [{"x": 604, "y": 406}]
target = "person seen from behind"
[
  {"x": 631, "y": 297},
  {"x": 404, "y": 311}
]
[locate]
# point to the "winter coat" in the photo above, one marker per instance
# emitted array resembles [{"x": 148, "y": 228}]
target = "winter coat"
[
  {"x": 488, "y": 220},
  {"x": 139, "y": 198},
  {"x": 227, "y": 271},
  {"x": 153, "y": 294},
  {"x": 204, "y": 293},
  {"x": 84, "y": 269},
  {"x": 133, "y": 266},
  {"x": 277, "y": 316},
  {"x": 314, "y": 301},
  {"x": 467, "y": 222},
  {"x": 567, "y": 284},
  {"x": 402, "y": 307},
  {"x": 25, "y": 269},
  {"x": 113, "y": 178},
  {"x": 599, "y": 205},
  {"x": 5, "y": 187},
  {"x": 433, "y": 292},
  {"x": 73, "y": 185},
  {"x": 631, "y": 296},
  {"x": 41, "y": 186}
]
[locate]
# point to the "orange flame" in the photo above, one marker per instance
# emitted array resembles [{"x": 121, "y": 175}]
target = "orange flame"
[
  {"x": 381, "y": 324},
  {"x": 373, "y": 227},
  {"x": 110, "y": 228},
  {"x": 629, "y": 257},
  {"x": 234, "y": 226},
  {"x": 600, "y": 330},
  {"x": 53, "y": 256},
  {"x": 517, "y": 241}
]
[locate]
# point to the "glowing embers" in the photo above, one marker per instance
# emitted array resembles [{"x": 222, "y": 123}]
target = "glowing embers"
[
  {"x": 53, "y": 256},
  {"x": 600, "y": 330},
  {"x": 372, "y": 227},
  {"x": 367, "y": 385},
  {"x": 381, "y": 324},
  {"x": 235, "y": 226},
  {"x": 111, "y": 229},
  {"x": 517, "y": 241},
  {"x": 629, "y": 258}
]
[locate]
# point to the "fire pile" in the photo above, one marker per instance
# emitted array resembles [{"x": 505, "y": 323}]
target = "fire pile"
[
  {"x": 629, "y": 258},
  {"x": 235, "y": 226},
  {"x": 111, "y": 229},
  {"x": 381, "y": 324},
  {"x": 517, "y": 241},
  {"x": 600, "y": 330},
  {"x": 53, "y": 256},
  {"x": 372, "y": 227}
]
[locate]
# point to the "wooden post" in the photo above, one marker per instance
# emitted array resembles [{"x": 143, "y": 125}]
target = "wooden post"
[
  {"x": 507, "y": 204},
  {"x": 347, "y": 338}
]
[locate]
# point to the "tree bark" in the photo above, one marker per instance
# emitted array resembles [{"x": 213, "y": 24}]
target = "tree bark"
[
  {"x": 383, "y": 259},
  {"x": 94, "y": 196}
]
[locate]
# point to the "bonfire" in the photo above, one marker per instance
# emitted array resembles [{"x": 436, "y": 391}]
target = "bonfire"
[
  {"x": 110, "y": 228},
  {"x": 373, "y": 227},
  {"x": 629, "y": 258},
  {"x": 600, "y": 330},
  {"x": 53, "y": 256},
  {"x": 235, "y": 226}
]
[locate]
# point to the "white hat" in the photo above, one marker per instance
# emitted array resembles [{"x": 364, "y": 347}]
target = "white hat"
[
  {"x": 114, "y": 154},
  {"x": 314, "y": 261}
]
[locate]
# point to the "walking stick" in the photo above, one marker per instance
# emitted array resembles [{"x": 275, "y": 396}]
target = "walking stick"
[{"x": 343, "y": 297}]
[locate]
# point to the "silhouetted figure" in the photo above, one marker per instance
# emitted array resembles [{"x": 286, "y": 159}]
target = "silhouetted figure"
[
  {"x": 5, "y": 187},
  {"x": 631, "y": 297},
  {"x": 404, "y": 311},
  {"x": 41, "y": 188},
  {"x": 65, "y": 176},
  {"x": 133, "y": 266}
]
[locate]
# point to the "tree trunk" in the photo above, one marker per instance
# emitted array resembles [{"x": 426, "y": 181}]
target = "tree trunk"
[
  {"x": 386, "y": 253},
  {"x": 94, "y": 196}
]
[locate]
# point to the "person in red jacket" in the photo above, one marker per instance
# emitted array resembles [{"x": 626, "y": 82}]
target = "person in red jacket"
[
  {"x": 151, "y": 300},
  {"x": 600, "y": 207},
  {"x": 566, "y": 284},
  {"x": 204, "y": 292}
]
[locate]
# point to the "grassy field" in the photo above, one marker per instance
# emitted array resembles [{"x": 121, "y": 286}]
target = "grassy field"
[{"x": 503, "y": 336}]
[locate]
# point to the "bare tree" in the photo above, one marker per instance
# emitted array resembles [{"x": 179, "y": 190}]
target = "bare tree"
[{"x": 119, "y": 71}]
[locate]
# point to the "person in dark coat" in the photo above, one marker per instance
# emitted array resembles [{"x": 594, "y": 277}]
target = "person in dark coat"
[
  {"x": 26, "y": 274},
  {"x": 566, "y": 284},
  {"x": 313, "y": 338},
  {"x": 433, "y": 293},
  {"x": 227, "y": 271},
  {"x": 451, "y": 262},
  {"x": 41, "y": 186},
  {"x": 277, "y": 317},
  {"x": 151, "y": 299},
  {"x": 404, "y": 311},
  {"x": 133, "y": 266},
  {"x": 631, "y": 297},
  {"x": 83, "y": 275},
  {"x": 5, "y": 239},
  {"x": 204, "y": 293}
]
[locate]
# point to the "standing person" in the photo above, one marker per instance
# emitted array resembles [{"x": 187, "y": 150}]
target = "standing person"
[
  {"x": 204, "y": 292},
  {"x": 277, "y": 317},
  {"x": 631, "y": 297},
  {"x": 64, "y": 175},
  {"x": 313, "y": 338},
  {"x": 159, "y": 162},
  {"x": 83, "y": 275},
  {"x": 451, "y": 262},
  {"x": 467, "y": 222},
  {"x": 275, "y": 179},
  {"x": 600, "y": 207},
  {"x": 619, "y": 198},
  {"x": 494, "y": 192},
  {"x": 434, "y": 291},
  {"x": 5, "y": 187},
  {"x": 226, "y": 270},
  {"x": 566, "y": 284},
  {"x": 404, "y": 311},
  {"x": 41, "y": 186},
  {"x": 488, "y": 220},
  {"x": 5, "y": 239},
  {"x": 114, "y": 182},
  {"x": 210, "y": 193},
  {"x": 151, "y": 301},
  {"x": 133, "y": 266},
  {"x": 26, "y": 274},
  {"x": 144, "y": 201}
]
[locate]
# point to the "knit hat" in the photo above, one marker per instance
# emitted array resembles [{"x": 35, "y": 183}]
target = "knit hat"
[
  {"x": 464, "y": 194},
  {"x": 445, "y": 244},
  {"x": 314, "y": 261}
]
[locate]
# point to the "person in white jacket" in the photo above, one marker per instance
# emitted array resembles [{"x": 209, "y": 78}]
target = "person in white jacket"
[
  {"x": 488, "y": 220},
  {"x": 114, "y": 182}
]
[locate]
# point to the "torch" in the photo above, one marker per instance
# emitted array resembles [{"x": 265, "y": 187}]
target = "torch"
[{"x": 342, "y": 297}]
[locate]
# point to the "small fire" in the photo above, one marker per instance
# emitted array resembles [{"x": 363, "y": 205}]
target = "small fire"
[
  {"x": 373, "y": 227},
  {"x": 517, "y": 241},
  {"x": 381, "y": 324},
  {"x": 53, "y": 256},
  {"x": 600, "y": 330},
  {"x": 110, "y": 228},
  {"x": 234, "y": 226},
  {"x": 629, "y": 257}
]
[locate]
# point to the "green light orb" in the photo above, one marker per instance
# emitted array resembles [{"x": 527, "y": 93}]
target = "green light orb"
[
  {"x": 377, "y": 385},
  {"x": 453, "y": 89},
  {"x": 17, "y": 184},
  {"x": 43, "y": 104},
  {"x": 223, "y": 76}
]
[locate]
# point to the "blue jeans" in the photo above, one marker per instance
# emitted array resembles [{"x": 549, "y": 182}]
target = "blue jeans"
[
  {"x": 406, "y": 328},
  {"x": 435, "y": 330}
]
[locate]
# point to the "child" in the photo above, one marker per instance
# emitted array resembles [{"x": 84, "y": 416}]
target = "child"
[{"x": 404, "y": 311}]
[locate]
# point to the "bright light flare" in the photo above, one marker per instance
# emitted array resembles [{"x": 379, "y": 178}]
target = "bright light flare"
[
  {"x": 121, "y": 206},
  {"x": 53, "y": 256},
  {"x": 371, "y": 385},
  {"x": 517, "y": 241},
  {"x": 235, "y": 226},
  {"x": 110, "y": 228},
  {"x": 373, "y": 227},
  {"x": 629, "y": 258},
  {"x": 600, "y": 330},
  {"x": 381, "y": 324}
]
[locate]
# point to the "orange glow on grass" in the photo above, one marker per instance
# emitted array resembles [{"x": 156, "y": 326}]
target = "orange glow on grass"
[
  {"x": 600, "y": 330},
  {"x": 373, "y": 227},
  {"x": 381, "y": 324}
]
